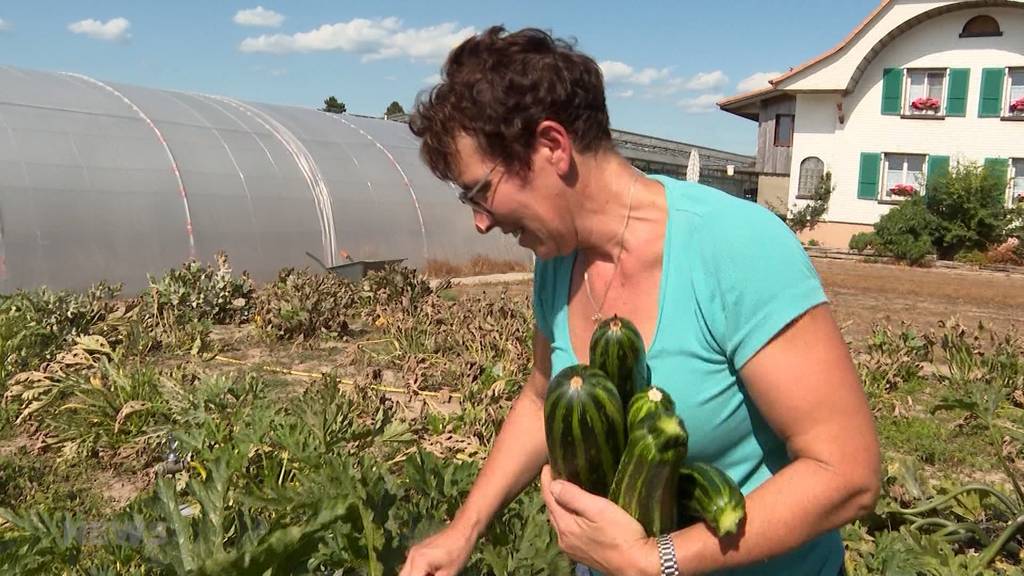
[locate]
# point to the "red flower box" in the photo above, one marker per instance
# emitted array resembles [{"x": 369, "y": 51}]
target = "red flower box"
[
  {"x": 926, "y": 103},
  {"x": 903, "y": 190}
]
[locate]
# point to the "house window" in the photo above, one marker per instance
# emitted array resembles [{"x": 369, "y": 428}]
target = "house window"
[
  {"x": 904, "y": 176},
  {"x": 925, "y": 92},
  {"x": 784, "y": 129},
  {"x": 980, "y": 26},
  {"x": 1015, "y": 92},
  {"x": 812, "y": 170},
  {"x": 1016, "y": 180}
]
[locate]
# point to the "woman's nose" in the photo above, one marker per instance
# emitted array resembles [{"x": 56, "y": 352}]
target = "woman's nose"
[{"x": 484, "y": 222}]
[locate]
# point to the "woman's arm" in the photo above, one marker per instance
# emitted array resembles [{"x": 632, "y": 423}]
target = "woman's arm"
[
  {"x": 805, "y": 385},
  {"x": 519, "y": 451}
]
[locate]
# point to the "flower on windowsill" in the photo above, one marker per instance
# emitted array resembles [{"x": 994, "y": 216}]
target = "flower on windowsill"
[
  {"x": 903, "y": 190},
  {"x": 926, "y": 104},
  {"x": 1017, "y": 106}
]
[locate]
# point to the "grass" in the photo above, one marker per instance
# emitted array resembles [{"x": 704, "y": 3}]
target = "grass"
[
  {"x": 30, "y": 480},
  {"x": 938, "y": 443}
]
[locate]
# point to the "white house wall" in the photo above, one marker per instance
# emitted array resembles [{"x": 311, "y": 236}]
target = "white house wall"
[{"x": 934, "y": 43}]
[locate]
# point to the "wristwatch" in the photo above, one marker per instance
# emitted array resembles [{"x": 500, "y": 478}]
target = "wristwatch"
[{"x": 667, "y": 556}]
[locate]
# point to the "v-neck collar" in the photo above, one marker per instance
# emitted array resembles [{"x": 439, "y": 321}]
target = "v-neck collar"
[{"x": 666, "y": 254}]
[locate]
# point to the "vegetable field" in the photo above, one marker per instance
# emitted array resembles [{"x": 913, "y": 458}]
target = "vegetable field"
[{"x": 312, "y": 426}]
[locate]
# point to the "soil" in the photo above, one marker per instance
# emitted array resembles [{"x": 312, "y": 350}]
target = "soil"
[{"x": 863, "y": 294}]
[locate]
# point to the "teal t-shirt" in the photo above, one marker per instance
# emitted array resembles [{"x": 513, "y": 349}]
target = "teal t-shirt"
[{"x": 733, "y": 275}]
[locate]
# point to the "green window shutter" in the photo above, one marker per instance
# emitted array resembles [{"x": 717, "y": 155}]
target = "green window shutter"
[
  {"x": 870, "y": 169},
  {"x": 998, "y": 167},
  {"x": 991, "y": 105},
  {"x": 956, "y": 103},
  {"x": 938, "y": 166},
  {"x": 892, "y": 91}
]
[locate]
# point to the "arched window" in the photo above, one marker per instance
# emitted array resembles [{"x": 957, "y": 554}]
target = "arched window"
[
  {"x": 980, "y": 26},
  {"x": 812, "y": 170}
]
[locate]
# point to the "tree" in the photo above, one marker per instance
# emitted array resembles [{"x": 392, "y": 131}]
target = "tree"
[
  {"x": 393, "y": 109},
  {"x": 334, "y": 106}
]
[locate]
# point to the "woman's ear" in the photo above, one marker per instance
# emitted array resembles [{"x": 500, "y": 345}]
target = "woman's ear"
[{"x": 554, "y": 146}]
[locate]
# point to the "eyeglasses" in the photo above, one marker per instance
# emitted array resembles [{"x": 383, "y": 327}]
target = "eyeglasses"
[{"x": 470, "y": 197}]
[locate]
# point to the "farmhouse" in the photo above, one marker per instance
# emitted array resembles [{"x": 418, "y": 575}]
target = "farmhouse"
[{"x": 916, "y": 86}]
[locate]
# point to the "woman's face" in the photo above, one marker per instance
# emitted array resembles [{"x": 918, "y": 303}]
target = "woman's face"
[{"x": 523, "y": 206}]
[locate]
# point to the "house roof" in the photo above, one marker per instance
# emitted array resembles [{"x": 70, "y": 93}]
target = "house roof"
[
  {"x": 835, "y": 49},
  {"x": 752, "y": 95},
  {"x": 735, "y": 104}
]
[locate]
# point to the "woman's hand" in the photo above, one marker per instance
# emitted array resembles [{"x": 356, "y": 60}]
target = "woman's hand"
[
  {"x": 595, "y": 531},
  {"x": 443, "y": 554}
]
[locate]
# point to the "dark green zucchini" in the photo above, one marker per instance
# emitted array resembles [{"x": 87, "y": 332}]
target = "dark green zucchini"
[
  {"x": 584, "y": 423},
  {"x": 646, "y": 482},
  {"x": 709, "y": 494},
  {"x": 618, "y": 350}
]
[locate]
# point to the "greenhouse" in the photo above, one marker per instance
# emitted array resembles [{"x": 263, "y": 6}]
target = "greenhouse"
[{"x": 109, "y": 181}]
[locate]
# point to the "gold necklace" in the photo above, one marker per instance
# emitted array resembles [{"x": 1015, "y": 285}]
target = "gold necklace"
[{"x": 597, "y": 316}]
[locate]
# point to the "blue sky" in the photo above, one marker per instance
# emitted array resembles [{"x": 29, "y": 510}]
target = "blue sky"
[{"x": 665, "y": 62}]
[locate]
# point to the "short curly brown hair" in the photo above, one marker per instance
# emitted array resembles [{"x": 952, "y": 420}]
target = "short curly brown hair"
[{"x": 497, "y": 87}]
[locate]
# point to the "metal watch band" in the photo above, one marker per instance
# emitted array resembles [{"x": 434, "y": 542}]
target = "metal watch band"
[{"x": 667, "y": 556}]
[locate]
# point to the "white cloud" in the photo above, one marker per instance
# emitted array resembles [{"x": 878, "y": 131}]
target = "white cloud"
[
  {"x": 258, "y": 16},
  {"x": 648, "y": 75},
  {"x": 113, "y": 29},
  {"x": 4, "y": 25},
  {"x": 615, "y": 72},
  {"x": 432, "y": 79},
  {"x": 707, "y": 81},
  {"x": 700, "y": 82},
  {"x": 374, "y": 39},
  {"x": 659, "y": 82},
  {"x": 756, "y": 81},
  {"x": 430, "y": 43},
  {"x": 700, "y": 104}
]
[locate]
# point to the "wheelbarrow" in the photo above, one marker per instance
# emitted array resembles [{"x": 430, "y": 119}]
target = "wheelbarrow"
[{"x": 355, "y": 270}]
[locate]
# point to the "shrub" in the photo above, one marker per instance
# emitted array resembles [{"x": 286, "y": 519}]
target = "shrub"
[
  {"x": 971, "y": 257},
  {"x": 809, "y": 215},
  {"x": 196, "y": 292},
  {"x": 1015, "y": 230},
  {"x": 301, "y": 304},
  {"x": 862, "y": 241},
  {"x": 35, "y": 325},
  {"x": 968, "y": 205},
  {"x": 906, "y": 231}
]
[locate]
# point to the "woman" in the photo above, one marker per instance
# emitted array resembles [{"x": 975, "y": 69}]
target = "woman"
[{"x": 739, "y": 329}]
